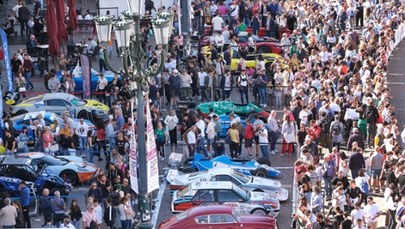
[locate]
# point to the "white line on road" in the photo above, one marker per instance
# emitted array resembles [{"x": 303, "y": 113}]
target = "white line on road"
[{"x": 159, "y": 202}]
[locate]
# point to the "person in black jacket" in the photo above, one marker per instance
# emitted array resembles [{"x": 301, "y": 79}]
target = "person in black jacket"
[
  {"x": 23, "y": 16},
  {"x": 45, "y": 206},
  {"x": 371, "y": 114},
  {"x": 356, "y": 162},
  {"x": 356, "y": 137},
  {"x": 95, "y": 192},
  {"x": 75, "y": 213},
  {"x": 109, "y": 213}
]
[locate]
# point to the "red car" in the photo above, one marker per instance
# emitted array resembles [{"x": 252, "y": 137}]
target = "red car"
[{"x": 217, "y": 216}]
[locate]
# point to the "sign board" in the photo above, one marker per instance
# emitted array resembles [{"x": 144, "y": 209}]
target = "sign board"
[{"x": 151, "y": 157}]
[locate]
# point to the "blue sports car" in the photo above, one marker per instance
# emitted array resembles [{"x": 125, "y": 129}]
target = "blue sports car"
[
  {"x": 260, "y": 168},
  {"x": 26, "y": 119},
  {"x": 78, "y": 78}
]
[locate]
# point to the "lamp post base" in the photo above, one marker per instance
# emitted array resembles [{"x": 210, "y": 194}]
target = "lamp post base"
[{"x": 144, "y": 210}]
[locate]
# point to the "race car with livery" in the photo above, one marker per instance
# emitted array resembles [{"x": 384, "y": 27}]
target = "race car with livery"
[
  {"x": 224, "y": 192},
  {"x": 252, "y": 60},
  {"x": 228, "y": 107},
  {"x": 14, "y": 169},
  {"x": 218, "y": 216},
  {"x": 59, "y": 103},
  {"x": 27, "y": 119},
  {"x": 260, "y": 167},
  {"x": 71, "y": 169},
  {"x": 178, "y": 179},
  {"x": 77, "y": 76}
]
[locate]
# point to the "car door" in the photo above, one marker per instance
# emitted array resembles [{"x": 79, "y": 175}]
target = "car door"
[
  {"x": 57, "y": 106},
  {"x": 203, "y": 196},
  {"x": 228, "y": 196},
  {"x": 222, "y": 221}
]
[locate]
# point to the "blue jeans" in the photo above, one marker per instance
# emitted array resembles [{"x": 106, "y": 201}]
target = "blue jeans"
[
  {"x": 226, "y": 94},
  {"x": 126, "y": 224},
  {"x": 328, "y": 185},
  {"x": 201, "y": 147},
  {"x": 262, "y": 94},
  {"x": 244, "y": 93},
  {"x": 76, "y": 223},
  {"x": 82, "y": 143},
  {"x": 91, "y": 154},
  {"x": 27, "y": 76},
  {"x": 273, "y": 140},
  {"x": 112, "y": 143},
  {"x": 265, "y": 150}
]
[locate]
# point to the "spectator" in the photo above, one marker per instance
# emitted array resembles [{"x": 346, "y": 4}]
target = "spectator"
[
  {"x": 161, "y": 139},
  {"x": 8, "y": 214},
  {"x": 53, "y": 84},
  {"x": 126, "y": 213},
  {"x": 356, "y": 162},
  {"x": 75, "y": 213},
  {"x": 45, "y": 206},
  {"x": 89, "y": 217},
  {"x": 289, "y": 132},
  {"x": 95, "y": 192},
  {"x": 58, "y": 209}
]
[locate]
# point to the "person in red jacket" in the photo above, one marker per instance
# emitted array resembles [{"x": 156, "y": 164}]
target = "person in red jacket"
[
  {"x": 314, "y": 131},
  {"x": 248, "y": 137}
]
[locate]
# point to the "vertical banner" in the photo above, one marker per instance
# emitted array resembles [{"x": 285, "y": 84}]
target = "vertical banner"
[
  {"x": 151, "y": 156},
  {"x": 133, "y": 155},
  {"x": 9, "y": 74},
  {"x": 86, "y": 72}
]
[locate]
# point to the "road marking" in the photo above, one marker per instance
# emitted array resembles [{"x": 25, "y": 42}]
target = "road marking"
[
  {"x": 159, "y": 202},
  {"x": 283, "y": 167}
]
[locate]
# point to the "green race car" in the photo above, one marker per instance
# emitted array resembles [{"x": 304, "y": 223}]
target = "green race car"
[{"x": 228, "y": 107}]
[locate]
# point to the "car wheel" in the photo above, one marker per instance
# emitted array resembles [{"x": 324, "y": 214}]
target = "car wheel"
[
  {"x": 188, "y": 170},
  {"x": 263, "y": 161},
  {"x": 21, "y": 112},
  {"x": 260, "y": 172},
  {"x": 69, "y": 176},
  {"x": 264, "y": 49},
  {"x": 258, "y": 211}
]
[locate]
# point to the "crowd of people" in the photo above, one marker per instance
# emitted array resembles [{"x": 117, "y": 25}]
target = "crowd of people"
[{"x": 330, "y": 79}]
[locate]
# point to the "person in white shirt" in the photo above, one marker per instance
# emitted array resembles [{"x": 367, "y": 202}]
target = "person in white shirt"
[
  {"x": 371, "y": 212},
  {"x": 303, "y": 115},
  {"x": 219, "y": 41},
  {"x": 81, "y": 131},
  {"x": 217, "y": 23},
  {"x": 200, "y": 124},
  {"x": 101, "y": 85},
  {"x": 66, "y": 224},
  {"x": 191, "y": 140},
  {"x": 201, "y": 83},
  {"x": 211, "y": 133},
  {"x": 171, "y": 122},
  {"x": 357, "y": 213},
  {"x": 98, "y": 211}
]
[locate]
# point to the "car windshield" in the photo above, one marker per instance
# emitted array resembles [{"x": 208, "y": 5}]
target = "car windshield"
[
  {"x": 241, "y": 177},
  {"x": 50, "y": 160},
  {"x": 242, "y": 193},
  {"x": 76, "y": 101}
]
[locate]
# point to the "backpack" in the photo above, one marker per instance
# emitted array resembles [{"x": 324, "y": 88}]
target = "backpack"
[
  {"x": 324, "y": 124},
  {"x": 336, "y": 128},
  {"x": 364, "y": 187}
]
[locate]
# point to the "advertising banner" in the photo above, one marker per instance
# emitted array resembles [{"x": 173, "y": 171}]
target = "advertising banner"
[
  {"x": 84, "y": 60},
  {"x": 133, "y": 156},
  {"x": 151, "y": 157}
]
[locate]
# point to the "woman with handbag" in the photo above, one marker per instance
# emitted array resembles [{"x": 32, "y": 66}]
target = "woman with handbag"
[{"x": 289, "y": 132}]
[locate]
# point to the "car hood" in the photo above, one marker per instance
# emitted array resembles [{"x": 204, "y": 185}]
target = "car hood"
[
  {"x": 91, "y": 103},
  {"x": 264, "y": 182},
  {"x": 259, "y": 196}
]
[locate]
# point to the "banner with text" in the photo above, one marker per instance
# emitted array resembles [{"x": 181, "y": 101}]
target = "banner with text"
[
  {"x": 151, "y": 157},
  {"x": 133, "y": 156},
  {"x": 85, "y": 63}
]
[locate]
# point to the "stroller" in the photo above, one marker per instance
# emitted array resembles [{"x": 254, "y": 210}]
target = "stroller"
[{"x": 9, "y": 27}]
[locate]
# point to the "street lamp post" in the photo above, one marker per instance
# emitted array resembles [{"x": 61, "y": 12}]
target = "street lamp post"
[{"x": 130, "y": 42}]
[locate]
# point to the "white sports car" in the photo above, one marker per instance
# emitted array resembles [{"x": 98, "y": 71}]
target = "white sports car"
[{"x": 252, "y": 183}]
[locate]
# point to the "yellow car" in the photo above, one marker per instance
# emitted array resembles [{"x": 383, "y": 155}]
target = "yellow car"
[{"x": 253, "y": 59}]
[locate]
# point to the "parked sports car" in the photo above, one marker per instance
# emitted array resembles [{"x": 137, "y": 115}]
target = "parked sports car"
[
  {"x": 178, "y": 179},
  {"x": 252, "y": 60},
  {"x": 61, "y": 102},
  {"x": 78, "y": 78},
  {"x": 227, "y": 107},
  {"x": 26, "y": 120},
  {"x": 224, "y": 192},
  {"x": 14, "y": 169},
  {"x": 72, "y": 169},
  {"x": 219, "y": 216},
  {"x": 260, "y": 168}
]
